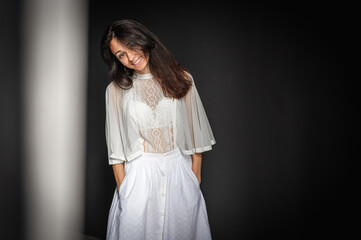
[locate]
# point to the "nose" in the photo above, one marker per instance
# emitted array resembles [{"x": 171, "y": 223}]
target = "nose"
[{"x": 131, "y": 56}]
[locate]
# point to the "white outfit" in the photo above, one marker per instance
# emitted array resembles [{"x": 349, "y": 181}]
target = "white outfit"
[{"x": 154, "y": 135}]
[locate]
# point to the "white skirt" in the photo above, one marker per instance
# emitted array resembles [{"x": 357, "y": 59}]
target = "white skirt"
[{"x": 159, "y": 198}]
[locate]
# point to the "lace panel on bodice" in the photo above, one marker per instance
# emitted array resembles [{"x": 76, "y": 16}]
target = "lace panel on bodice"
[{"x": 153, "y": 111}]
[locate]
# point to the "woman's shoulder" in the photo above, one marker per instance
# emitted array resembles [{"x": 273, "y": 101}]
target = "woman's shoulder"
[
  {"x": 190, "y": 78},
  {"x": 113, "y": 89},
  {"x": 113, "y": 86},
  {"x": 188, "y": 74}
]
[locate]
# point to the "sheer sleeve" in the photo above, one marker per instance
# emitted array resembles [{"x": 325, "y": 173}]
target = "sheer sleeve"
[
  {"x": 113, "y": 99},
  {"x": 200, "y": 136}
]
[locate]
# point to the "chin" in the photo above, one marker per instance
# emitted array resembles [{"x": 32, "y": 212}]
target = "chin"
[{"x": 140, "y": 68}]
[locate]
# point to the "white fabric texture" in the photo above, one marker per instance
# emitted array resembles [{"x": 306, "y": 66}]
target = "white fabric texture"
[
  {"x": 141, "y": 119},
  {"x": 159, "y": 198}
]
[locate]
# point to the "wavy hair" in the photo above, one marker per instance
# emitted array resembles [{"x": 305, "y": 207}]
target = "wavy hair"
[{"x": 172, "y": 77}]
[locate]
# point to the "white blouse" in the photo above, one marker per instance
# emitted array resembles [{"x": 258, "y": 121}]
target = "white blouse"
[{"x": 142, "y": 119}]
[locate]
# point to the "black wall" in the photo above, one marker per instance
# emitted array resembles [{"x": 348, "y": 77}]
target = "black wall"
[
  {"x": 271, "y": 78},
  {"x": 10, "y": 121}
]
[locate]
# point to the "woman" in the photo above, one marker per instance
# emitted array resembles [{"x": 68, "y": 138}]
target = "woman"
[{"x": 156, "y": 131}]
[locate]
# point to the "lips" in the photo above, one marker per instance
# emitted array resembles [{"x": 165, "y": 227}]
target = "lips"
[{"x": 138, "y": 61}]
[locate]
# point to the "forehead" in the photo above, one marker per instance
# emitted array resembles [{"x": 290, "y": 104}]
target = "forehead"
[{"x": 116, "y": 45}]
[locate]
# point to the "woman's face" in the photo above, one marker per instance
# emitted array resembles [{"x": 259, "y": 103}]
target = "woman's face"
[{"x": 133, "y": 59}]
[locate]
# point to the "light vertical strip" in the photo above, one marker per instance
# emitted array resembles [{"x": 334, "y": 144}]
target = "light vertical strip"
[{"x": 54, "y": 88}]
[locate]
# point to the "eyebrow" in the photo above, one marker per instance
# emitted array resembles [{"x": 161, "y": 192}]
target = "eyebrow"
[{"x": 115, "y": 54}]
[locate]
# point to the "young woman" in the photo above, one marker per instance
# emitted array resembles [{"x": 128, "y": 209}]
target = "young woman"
[{"x": 156, "y": 131}]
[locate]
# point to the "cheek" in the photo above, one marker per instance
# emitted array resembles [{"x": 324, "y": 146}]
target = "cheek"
[{"x": 123, "y": 61}]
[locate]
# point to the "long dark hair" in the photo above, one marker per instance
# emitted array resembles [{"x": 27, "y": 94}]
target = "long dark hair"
[{"x": 173, "y": 78}]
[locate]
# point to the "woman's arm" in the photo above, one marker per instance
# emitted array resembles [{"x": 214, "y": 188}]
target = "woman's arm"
[
  {"x": 119, "y": 173},
  {"x": 197, "y": 165}
]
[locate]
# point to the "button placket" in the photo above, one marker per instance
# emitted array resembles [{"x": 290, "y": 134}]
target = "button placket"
[{"x": 163, "y": 186}]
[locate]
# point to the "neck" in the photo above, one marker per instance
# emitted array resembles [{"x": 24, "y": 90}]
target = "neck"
[{"x": 143, "y": 71}]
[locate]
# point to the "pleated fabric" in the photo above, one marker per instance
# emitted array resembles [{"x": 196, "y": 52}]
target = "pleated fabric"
[{"x": 159, "y": 198}]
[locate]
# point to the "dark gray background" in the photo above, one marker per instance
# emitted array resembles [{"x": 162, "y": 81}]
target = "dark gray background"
[
  {"x": 272, "y": 80},
  {"x": 11, "y": 210}
]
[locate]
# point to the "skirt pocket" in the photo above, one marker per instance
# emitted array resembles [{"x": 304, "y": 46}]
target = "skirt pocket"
[
  {"x": 123, "y": 183},
  {"x": 188, "y": 160},
  {"x": 128, "y": 171}
]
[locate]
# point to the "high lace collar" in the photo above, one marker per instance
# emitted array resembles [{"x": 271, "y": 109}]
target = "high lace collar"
[{"x": 143, "y": 76}]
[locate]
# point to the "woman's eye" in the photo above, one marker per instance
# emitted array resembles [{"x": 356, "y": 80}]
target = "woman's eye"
[{"x": 121, "y": 55}]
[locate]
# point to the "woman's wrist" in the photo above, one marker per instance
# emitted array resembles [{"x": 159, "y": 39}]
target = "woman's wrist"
[
  {"x": 197, "y": 172},
  {"x": 197, "y": 165},
  {"x": 119, "y": 173}
]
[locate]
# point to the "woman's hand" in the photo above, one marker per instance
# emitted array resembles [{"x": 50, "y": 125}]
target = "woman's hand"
[
  {"x": 198, "y": 175},
  {"x": 197, "y": 165},
  {"x": 119, "y": 174}
]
